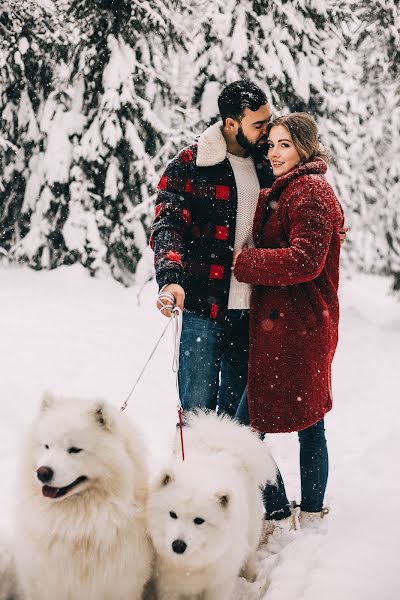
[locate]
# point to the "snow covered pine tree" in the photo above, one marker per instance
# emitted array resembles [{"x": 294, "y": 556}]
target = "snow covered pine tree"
[
  {"x": 116, "y": 82},
  {"x": 30, "y": 41},
  {"x": 94, "y": 163},
  {"x": 378, "y": 54}
]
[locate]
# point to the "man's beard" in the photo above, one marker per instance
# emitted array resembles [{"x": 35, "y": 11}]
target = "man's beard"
[{"x": 243, "y": 141}]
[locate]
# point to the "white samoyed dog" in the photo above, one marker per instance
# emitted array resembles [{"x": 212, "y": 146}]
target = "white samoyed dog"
[
  {"x": 8, "y": 583},
  {"x": 80, "y": 521},
  {"x": 205, "y": 514}
]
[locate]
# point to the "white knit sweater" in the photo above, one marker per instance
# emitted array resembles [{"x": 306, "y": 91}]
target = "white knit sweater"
[{"x": 248, "y": 189}]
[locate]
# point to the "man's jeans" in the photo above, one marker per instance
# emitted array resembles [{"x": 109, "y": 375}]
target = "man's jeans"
[
  {"x": 313, "y": 470},
  {"x": 213, "y": 361}
]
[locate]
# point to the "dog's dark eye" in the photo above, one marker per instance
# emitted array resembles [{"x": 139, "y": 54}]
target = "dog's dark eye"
[
  {"x": 173, "y": 515},
  {"x": 198, "y": 521},
  {"x": 74, "y": 450}
]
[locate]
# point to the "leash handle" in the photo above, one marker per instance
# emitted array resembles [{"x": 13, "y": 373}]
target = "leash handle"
[{"x": 167, "y": 301}]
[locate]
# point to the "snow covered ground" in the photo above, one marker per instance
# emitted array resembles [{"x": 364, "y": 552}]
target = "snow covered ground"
[{"x": 66, "y": 332}]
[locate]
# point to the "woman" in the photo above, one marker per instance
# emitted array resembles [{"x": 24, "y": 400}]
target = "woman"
[{"x": 294, "y": 309}]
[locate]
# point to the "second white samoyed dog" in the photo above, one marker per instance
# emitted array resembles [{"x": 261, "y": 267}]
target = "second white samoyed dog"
[
  {"x": 80, "y": 527},
  {"x": 205, "y": 514}
]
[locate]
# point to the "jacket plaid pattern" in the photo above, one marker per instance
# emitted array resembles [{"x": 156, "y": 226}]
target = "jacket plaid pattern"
[{"x": 193, "y": 231}]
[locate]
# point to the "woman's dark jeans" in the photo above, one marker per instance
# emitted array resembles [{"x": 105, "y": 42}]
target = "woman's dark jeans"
[{"x": 313, "y": 470}]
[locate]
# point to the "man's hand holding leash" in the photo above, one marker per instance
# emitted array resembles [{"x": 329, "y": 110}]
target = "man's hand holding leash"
[{"x": 171, "y": 296}]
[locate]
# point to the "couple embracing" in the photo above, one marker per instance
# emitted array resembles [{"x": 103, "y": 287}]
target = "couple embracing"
[{"x": 247, "y": 238}]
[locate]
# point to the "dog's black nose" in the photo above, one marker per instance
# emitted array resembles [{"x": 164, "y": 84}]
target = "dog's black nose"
[
  {"x": 179, "y": 546},
  {"x": 45, "y": 474}
]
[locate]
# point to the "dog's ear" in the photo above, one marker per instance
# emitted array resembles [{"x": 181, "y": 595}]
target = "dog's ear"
[
  {"x": 48, "y": 400},
  {"x": 102, "y": 416},
  {"x": 224, "y": 498}
]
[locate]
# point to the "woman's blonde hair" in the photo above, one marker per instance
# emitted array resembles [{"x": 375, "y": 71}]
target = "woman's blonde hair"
[{"x": 304, "y": 132}]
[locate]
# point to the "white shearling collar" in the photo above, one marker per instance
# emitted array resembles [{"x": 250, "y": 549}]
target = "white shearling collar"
[{"x": 211, "y": 146}]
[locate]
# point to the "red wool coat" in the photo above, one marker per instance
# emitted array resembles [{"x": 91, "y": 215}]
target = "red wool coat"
[{"x": 294, "y": 308}]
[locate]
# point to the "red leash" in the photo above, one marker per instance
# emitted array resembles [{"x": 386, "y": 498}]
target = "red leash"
[{"x": 181, "y": 430}]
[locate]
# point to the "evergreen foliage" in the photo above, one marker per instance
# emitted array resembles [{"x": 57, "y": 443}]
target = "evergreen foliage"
[
  {"x": 97, "y": 95},
  {"x": 30, "y": 41},
  {"x": 376, "y": 177}
]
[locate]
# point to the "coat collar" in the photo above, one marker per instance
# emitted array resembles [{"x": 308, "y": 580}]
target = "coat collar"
[
  {"x": 314, "y": 167},
  {"x": 263, "y": 210},
  {"x": 211, "y": 146}
]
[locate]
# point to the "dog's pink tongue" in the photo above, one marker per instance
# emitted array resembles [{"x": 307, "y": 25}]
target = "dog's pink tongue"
[{"x": 49, "y": 492}]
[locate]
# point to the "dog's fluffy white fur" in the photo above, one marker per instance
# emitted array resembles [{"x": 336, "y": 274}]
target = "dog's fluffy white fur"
[
  {"x": 8, "y": 582},
  {"x": 205, "y": 514},
  {"x": 89, "y": 541}
]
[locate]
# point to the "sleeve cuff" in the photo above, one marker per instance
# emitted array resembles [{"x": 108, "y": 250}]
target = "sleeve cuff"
[{"x": 168, "y": 278}]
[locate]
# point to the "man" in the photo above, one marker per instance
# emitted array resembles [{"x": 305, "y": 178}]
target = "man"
[{"x": 204, "y": 211}]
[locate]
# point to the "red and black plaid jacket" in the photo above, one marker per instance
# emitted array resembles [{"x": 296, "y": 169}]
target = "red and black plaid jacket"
[{"x": 193, "y": 232}]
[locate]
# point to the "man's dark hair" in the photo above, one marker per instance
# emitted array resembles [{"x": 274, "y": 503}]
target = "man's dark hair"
[{"x": 239, "y": 95}]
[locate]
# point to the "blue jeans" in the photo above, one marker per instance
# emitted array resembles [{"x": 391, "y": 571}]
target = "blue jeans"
[
  {"x": 313, "y": 470},
  {"x": 213, "y": 361}
]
